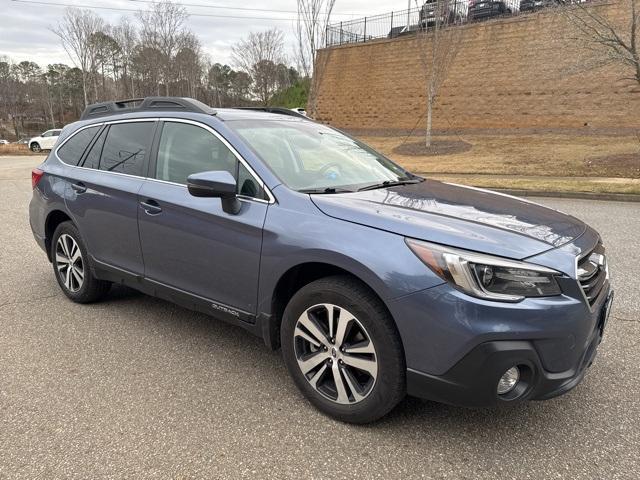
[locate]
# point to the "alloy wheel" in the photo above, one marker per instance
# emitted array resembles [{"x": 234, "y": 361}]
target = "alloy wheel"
[
  {"x": 335, "y": 353},
  {"x": 69, "y": 263}
]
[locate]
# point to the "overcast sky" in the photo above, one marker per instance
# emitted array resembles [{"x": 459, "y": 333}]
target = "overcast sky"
[{"x": 25, "y": 25}]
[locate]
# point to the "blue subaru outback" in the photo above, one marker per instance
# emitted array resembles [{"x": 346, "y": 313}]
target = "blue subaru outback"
[{"x": 376, "y": 283}]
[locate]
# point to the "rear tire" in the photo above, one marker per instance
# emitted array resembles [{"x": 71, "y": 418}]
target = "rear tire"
[
  {"x": 354, "y": 370},
  {"x": 71, "y": 266}
]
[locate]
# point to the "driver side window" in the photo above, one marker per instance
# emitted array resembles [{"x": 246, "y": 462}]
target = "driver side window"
[{"x": 185, "y": 149}]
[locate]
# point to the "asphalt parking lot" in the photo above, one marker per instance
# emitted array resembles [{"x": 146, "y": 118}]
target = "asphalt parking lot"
[{"x": 136, "y": 387}]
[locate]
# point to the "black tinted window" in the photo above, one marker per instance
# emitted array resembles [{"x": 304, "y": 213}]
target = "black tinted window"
[
  {"x": 72, "y": 150},
  {"x": 125, "y": 147},
  {"x": 247, "y": 184},
  {"x": 92, "y": 159},
  {"x": 185, "y": 149}
]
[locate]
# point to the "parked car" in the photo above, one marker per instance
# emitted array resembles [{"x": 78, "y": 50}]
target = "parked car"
[
  {"x": 4, "y": 142},
  {"x": 532, "y": 5},
  {"x": 44, "y": 141},
  {"x": 484, "y": 9},
  {"x": 23, "y": 141},
  {"x": 442, "y": 13},
  {"x": 375, "y": 282},
  {"x": 402, "y": 30}
]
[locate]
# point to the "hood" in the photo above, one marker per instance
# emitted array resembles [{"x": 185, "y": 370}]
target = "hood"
[{"x": 457, "y": 216}]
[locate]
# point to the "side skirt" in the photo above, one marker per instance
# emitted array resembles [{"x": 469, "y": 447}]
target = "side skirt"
[{"x": 188, "y": 300}]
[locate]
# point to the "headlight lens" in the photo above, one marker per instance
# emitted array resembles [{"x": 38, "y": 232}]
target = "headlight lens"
[{"x": 486, "y": 276}]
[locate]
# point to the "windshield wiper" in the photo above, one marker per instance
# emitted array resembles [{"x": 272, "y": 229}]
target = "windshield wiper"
[
  {"x": 325, "y": 190},
  {"x": 391, "y": 183}
]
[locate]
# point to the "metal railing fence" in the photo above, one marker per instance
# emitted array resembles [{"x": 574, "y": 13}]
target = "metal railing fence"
[{"x": 403, "y": 22}]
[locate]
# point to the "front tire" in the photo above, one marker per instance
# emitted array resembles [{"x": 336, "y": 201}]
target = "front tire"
[
  {"x": 35, "y": 147},
  {"x": 71, "y": 266},
  {"x": 343, "y": 351}
]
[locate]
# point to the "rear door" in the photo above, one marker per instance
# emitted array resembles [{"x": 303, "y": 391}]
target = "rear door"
[
  {"x": 102, "y": 193},
  {"x": 190, "y": 243}
]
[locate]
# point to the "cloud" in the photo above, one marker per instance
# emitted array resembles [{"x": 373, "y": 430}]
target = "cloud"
[{"x": 25, "y": 28}]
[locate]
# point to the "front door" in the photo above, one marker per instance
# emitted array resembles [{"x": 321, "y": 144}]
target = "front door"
[{"x": 190, "y": 243}]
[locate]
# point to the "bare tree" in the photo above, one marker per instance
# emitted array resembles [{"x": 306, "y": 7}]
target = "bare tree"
[
  {"x": 607, "y": 41},
  {"x": 311, "y": 29},
  {"x": 159, "y": 56},
  {"x": 439, "y": 40},
  {"x": 107, "y": 52},
  {"x": 312, "y": 24},
  {"x": 127, "y": 38},
  {"x": 162, "y": 28},
  {"x": 76, "y": 30},
  {"x": 259, "y": 55},
  {"x": 188, "y": 63}
]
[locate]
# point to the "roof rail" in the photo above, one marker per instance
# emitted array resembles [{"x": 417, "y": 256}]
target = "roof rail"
[
  {"x": 280, "y": 110},
  {"x": 148, "y": 104}
]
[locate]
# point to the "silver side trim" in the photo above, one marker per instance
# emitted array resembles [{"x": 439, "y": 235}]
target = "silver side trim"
[
  {"x": 182, "y": 185},
  {"x": 239, "y": 157}
]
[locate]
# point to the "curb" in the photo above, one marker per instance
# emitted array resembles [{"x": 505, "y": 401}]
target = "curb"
[{"x": 619, "y": 197}]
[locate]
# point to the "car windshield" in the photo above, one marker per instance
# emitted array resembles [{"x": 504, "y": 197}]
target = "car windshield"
[{"x": 313, "y": 158}]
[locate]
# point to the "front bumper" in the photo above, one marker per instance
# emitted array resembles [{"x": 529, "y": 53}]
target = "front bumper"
[{"x": 473, "y": 380}]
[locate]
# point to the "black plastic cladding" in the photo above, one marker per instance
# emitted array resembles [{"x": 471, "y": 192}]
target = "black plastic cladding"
[{"x": 148, "y": 104}]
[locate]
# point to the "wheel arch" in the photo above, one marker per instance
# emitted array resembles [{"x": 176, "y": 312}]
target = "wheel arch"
[
  {"x": 54, "y": 218},
  {"x": 292, "y": 280}
]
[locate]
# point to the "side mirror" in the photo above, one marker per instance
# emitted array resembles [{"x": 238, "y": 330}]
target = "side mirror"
[{"x": 217, "y": 184}]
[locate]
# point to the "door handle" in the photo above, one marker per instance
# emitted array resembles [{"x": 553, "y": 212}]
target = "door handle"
[
  {"x": 79, "y": 187},
  {"x": 151, "y": 207}
]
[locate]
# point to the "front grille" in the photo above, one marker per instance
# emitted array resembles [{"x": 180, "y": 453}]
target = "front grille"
[{"x": 592, "y": 273}]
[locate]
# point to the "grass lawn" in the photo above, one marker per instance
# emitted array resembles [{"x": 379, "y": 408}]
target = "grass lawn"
[{"x": 603, "y": 163}]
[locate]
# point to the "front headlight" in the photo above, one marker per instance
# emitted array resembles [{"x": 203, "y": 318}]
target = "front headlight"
[{"x": 486, "y": 276}]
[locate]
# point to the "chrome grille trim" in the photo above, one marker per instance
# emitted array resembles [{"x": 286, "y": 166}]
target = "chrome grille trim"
[{"x": 592, "y": 273}]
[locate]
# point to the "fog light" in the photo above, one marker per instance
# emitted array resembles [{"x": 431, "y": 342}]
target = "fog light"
[{"x": 509, "y": 380}]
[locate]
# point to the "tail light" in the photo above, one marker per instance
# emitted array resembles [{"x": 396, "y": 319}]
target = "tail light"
[{"x": 36, "y": 175}]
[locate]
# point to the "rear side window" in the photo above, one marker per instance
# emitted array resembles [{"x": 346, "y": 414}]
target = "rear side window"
[
  {"x": 185, "y": 149},
  {"x": 72, "y": 150},
  {"x": 125, "y": 147},
  {"x": 92, "y": 159}
]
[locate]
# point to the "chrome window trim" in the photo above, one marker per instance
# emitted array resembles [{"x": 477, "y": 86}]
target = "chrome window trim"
[
  {"x": 182, "y": 185},
  {"x": 239, "y": 157},
  {"x": 69, "y": 138}
]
